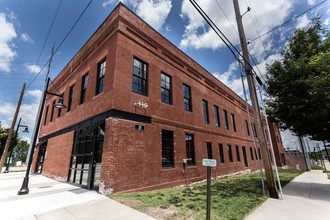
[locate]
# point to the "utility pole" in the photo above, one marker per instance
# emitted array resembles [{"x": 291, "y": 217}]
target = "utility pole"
[
  {"x": 11, "y": 130},
  {"x": 257, "y": 116}
]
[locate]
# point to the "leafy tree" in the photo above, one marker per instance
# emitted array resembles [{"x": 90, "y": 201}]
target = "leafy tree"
[
  {"x": 299, "y": 84},
  {"x": 21, "y": 150}
]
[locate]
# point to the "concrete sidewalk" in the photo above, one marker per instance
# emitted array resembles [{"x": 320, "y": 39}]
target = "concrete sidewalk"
[
  {"x": 306, "y": 197},
  {"x": 49, "y": 199}
]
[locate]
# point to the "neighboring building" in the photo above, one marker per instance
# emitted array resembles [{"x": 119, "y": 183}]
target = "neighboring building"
[{"x": 140, "y": 114}]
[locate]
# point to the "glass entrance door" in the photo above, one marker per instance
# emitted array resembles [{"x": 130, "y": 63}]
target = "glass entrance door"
[
  {"x": 41, "y": 158},
  {"x": 86, "y": 157}
]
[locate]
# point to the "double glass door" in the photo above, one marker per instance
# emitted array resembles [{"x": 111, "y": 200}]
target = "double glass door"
[{"x": 86, "y": 157}]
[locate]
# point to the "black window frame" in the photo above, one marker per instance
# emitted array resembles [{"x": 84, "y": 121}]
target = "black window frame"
[
  {"x": 230, "y": 153},
  {"x": 167, "y": 149},
  {"x": 221, "y": 154},
  {"x": 251, "y": 153},
  {"x": 141, "y": 77},
  {"x": 52, "y": 111},
  {"x": 59, "y": 110},
  {"x": 190, "y": 149},
  {"x": 233, "y": 121},
  {"x": 166, "y": 88},
  {"x": 216, "y": 116},
  {"x": 84, "y": 84},
  {"x": 46, "y": 114},
  {"x": 71, "y": 93},
  {"x": 225, "y": 115},
  {"x": 209, "y": 150},
  {"x": 206, "y": 117},
  {"x": 187, "y": 103},
  {"x": 101, "y": 68},
  {"x": 238, "y": 156}
]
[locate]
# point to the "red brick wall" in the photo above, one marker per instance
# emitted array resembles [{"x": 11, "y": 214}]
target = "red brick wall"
[{"x": 57, "y": 159}]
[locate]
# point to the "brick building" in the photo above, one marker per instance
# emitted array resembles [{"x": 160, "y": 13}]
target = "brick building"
[{"x": 140, "y": 114}]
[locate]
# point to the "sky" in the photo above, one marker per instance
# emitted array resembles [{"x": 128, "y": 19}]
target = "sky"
[{"x": 29, "y": 29}]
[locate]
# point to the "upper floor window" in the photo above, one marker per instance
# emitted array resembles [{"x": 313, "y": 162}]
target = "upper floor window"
[
  {"x": 226, "y": 119},
  {"x": 140, "y": 77},
  {"x": 167, "y": 149},
  {"x": 206, "y": 112},
  {"x": 59, "y": 110},
  {"x": 247, "y": 127},
  {"x": 84, "y": 82},
  {"x": 71, "y": 91},
  {"x": 187, "y": 98},
  {"x": 216, "y": 116},
  {"x": 233, "y": 121},
  {"x": 100, "y": 77},
  {"x": 52, "y": 112},
  {"x": 46, "y": 114},
  {"x": 166, "y": 88},
  {"x": 190, "y": 149}
]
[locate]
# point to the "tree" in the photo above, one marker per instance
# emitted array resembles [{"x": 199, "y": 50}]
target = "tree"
[
  {"x": 299, "y": 84},
  {"x": 21, "y": 150}
]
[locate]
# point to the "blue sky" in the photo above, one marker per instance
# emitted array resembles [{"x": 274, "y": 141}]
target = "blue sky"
[{"x": 24, "y": 26}]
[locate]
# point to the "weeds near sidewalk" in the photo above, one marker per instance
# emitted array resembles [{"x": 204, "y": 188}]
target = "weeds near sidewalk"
[
  {"x": 327, "y": 172},
  {"x": 232, "y": 198}
]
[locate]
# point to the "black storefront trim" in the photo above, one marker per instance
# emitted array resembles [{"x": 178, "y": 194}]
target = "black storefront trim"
[{"x": 98, "y": 119}]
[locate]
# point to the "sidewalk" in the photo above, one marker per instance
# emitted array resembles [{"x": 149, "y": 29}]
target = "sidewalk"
[
  {"x": 52, "y": 200},
  {"x": 306, "y": 197}
]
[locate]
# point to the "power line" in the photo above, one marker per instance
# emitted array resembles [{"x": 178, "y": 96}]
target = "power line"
[
  {"x": 287, "y": 21},
  {"x": 73, "y": 26},
  {"x": 43, "y": 46}
]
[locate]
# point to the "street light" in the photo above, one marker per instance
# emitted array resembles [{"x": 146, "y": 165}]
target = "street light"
[
  {"x": 26, "y": 130},
  {"x": 25, "y": 189}
]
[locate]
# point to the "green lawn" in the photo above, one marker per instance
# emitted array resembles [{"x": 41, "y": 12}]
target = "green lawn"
[{"x": 232, "y": 198}]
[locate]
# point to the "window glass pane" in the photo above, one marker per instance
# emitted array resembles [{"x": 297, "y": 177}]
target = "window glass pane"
[
  {"x": 139, "y": 79},
  {"x": 190, "y": 149},
  {"x": 167, "y": 149}
]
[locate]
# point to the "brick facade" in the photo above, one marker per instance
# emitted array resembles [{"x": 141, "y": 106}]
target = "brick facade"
[{"x": 131, "y": 158}]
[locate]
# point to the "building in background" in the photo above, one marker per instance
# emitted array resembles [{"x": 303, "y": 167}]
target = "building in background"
[{"x": 141, "y": 114}]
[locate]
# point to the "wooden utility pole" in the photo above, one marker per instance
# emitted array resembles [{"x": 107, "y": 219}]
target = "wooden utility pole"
[
  {"x": 11, "y": 130},
  {"x": 255, "y": 105}
]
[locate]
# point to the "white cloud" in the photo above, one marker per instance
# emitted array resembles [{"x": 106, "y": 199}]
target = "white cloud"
[
  {"x": 7, "y": 34},
  {"x": 33, "y": 68},
  {"x": 107, "y": 3},
  {"x": 311, "y": 2},
  {"x": 28, "y": 111},
  {"x": 198, "y": 34},
  {"x": 303, "y": 22},
  {"x": 232, "y": 80},
  {"x": 154, "y": 12},
  {"x": 26, "y": 38}
]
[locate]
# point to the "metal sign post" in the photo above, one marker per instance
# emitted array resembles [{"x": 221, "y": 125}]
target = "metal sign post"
[{"x": 208, "y": 163}]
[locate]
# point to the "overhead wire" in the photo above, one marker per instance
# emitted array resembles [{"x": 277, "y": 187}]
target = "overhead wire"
[
  {"x": 65, "y": 37},
  {"x": 43, "y": 46}
]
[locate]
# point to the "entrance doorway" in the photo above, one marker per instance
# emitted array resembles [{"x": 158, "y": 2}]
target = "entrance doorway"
[
  {"x": 86, "y": 157},
  {"x": 41, "y": 158}
]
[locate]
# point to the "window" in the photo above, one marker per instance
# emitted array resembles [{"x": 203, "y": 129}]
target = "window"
[
  {"x": 187, "y": 98},
  {"x": 216, "y": 116},
  {"x": 100, "y": 77},
  {"x": 167, "y": 149},
  {"x": 84, "y": 82},
  {"x": 251, "y": 153},
  {"x": 166, "y": 88},
  {"x": 230, "y": 153},
  {"x": 52, "y": 112},
  {"x": 247, "y": 127},
  {"x": 71, "y": 91},
  {"x": 246, "y": 164},
  {"x": 233, "y": 121},
  {"x": 206, "y": 112},
  {"x": 59, "y": 110},
  {"x": 256, "y": 153},
  {"x": 140, "y": 77},
  {"x": 238, "y": 157},
  {"x": 226, "y": 119},
  {"x": 209, "y": 150},
  {"x": 190, "y": 149},
  {"x": 259, "y": 153},
  {"x": 254, "y": 130},
  {"x": 222, "y": 157},
  {"x": 46, "y": 114}
]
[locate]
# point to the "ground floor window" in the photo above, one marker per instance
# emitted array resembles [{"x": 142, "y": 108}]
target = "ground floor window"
[
  {"x": 167, "y": 149},
  {"x": 190, "y": 149}
]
